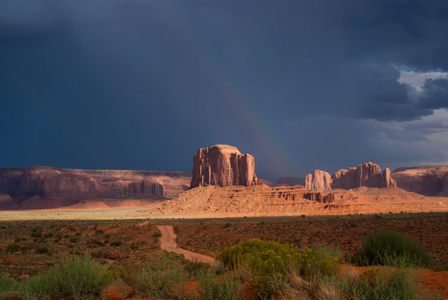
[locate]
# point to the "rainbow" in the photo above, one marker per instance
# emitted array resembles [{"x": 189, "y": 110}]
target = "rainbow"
[{"x": 243, "y": 105}]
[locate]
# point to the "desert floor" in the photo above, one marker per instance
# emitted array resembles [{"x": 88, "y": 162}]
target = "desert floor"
[{"x": 36, "y": 242}]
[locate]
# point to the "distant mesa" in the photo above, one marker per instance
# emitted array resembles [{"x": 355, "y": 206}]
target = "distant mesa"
[
  {"x": 47, "y": 187},
  {"x": 223, "y": 165},
  {"x": 425, "y": 180},
  {"x": 365, "y": 175}
]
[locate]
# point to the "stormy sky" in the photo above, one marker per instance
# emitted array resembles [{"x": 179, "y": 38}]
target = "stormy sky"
[{"x": 142, "y": 84}]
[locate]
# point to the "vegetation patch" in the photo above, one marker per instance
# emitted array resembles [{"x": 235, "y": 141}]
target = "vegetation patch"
[
  {"x": 392, "y": 248},
  {"x": 271, "y": 263}
]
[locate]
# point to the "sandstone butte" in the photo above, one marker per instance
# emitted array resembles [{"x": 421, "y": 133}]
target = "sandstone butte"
[
  {"x": 219, "y": 190},
  {"x": 46, "y": 187},
  {"x": 367, "y": 174},
  {"x": 223, "y": 165}
]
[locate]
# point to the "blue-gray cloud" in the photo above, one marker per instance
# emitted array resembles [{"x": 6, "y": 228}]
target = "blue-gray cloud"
[{"x": 142, "y": 84}]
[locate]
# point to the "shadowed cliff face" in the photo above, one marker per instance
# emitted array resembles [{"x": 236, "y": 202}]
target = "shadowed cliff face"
[
  {"x": 427, "y": 180},
  {"x": 45, "y": 187}
]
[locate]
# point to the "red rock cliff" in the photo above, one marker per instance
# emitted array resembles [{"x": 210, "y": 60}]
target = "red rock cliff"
[
  {"x": 69, "y": 186},
  {"x": 223, "y": 165},
  {"x": 367, "y": 174},
  {"x": 425, "y": 180},
  {"x": 318, "y": 181}
]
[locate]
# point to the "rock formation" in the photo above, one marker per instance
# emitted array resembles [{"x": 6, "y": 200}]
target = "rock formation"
[
  {"x": 260, "y": 200},
  {"x": 223, "y": 165},
  {"x": 54, "y": 187},
  {"x": 318, "y": 181},
  {"x": 318, "y": 197},
  {"x": 425, "y": 180},
  {"x": 367, "y": 174}
]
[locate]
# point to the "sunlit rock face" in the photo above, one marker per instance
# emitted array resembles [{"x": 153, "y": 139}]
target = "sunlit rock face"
[
  {"x": 426, "y": 180},
  {"x": 318, "y": 181},
  {"x": 367, "y": 174},
  {"x": 223, "y": 165}
]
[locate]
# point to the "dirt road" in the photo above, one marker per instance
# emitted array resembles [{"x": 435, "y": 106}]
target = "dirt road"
[{"x": 168, "y": 243}]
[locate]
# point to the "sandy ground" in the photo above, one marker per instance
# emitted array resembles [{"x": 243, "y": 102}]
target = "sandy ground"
[
  {"x": 168, "y": 243},
  {"x": 116, "y": 213}
]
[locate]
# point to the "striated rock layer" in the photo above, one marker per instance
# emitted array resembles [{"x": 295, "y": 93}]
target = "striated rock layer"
[
  {"x": 223, "y": 165},
  {"x": 46, "y": 187},
  {"x": 426, "y": 180},
  {"x": 215, "y": 201}
]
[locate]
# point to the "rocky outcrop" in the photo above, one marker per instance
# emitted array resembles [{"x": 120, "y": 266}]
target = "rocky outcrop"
[
  {"x": 319, "y": 197},
  {"x": 260, "y": 200},
  {"x": 386, "y": 179},
  {"x": 223, "y": 165},
  {"x": 47, "y": 187},
  {"x": 425, "y": 180},
  {"x": 367, "y": 174},
  {"x": 318, "y": 181}
]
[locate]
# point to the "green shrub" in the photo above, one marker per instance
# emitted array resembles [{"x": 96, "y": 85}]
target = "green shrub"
[
  {"x": 193, "y": 268},
  {"x": 156, "y": 279},
  {"x": 116, "y": 243},
  {"x": 76, "y": 277},
  {"x": 8, "y": 285},
  {"x": 392, "y": 249},
  {"x": 385, "y": 284},
  {"x": 157, "y": 234},
  {"x": 225, "y": 287},
  {"x": 271, "y": 263},
  {"x": 42, "y": 250},
  {"x": 97, "y": 254},
  {"x": 12, "y": 248}
]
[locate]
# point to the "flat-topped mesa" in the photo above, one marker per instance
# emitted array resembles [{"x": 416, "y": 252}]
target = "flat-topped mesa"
[
  {"x": 223, "y": 165},
  {"x": 367, "y": 174},
  {"x": 319, "y": 181}
]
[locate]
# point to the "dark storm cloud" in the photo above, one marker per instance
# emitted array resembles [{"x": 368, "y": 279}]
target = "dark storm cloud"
[
  {"x": 435, "y": 94},
  {"x": 143, "y": 84}
]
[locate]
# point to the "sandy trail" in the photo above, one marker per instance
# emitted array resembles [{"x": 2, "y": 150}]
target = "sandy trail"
[{"x": 168, "y": 243}]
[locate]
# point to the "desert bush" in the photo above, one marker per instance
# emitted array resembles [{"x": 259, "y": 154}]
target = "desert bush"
[
  {"x": 392, "y": 248},
  {"x": 385, "y": 284},
  {"x": 36, "y": 234},
  {"x": 159, "y": 278},
  {"x": 116, "y": 243},
  {"x": 42, "y": 250},
  {"x": 12, "y": 248},
  {"x": 97, "y": 254},
  {"x": 157, "y": 234},
  {"x": 193, "y": 268},
  {"x": 272, "y": 262},
  {"x": 76, "y": 278},
  {"x": 8, "y": 285},
  {"x": 225, "y": 287}
]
